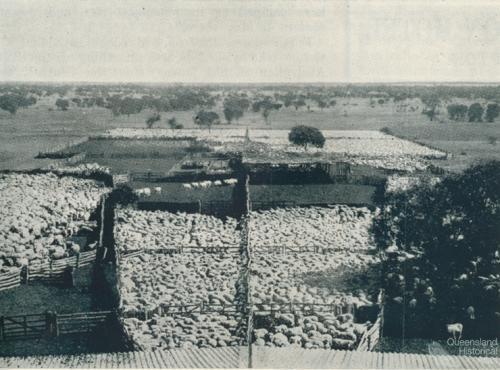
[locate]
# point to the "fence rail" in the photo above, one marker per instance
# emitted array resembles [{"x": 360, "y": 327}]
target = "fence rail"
[
  {"x": 54, "y": 271},
  {"x": 281, "y": 249},
  {"x": 186, "y": 309},
  {"x": 50, "y": 324},
  {"x": 291, "y": 307}
]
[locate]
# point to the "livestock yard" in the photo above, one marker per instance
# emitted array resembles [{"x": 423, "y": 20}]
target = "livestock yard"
[{"x": 193, "y": 239}]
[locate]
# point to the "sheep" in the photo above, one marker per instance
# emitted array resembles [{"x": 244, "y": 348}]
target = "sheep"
[
  {"x": 195, "y": 184},
  {"x": 217, "y": 183},
  {"x": 455, "y": 329},
  {"x": 230, "y": 181},
  {"x": 186, "y": 186},
  {"x": 157, "y": 190},
  {"x": 205, "y": 184},
  {"x": 471, "y": 312},
  {"x": 147, "y": 192}
]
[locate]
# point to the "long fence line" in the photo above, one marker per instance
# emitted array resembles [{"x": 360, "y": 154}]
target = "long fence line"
[
  {"x": 54, "y": 271},
  {"x": 51, "y": 324}
]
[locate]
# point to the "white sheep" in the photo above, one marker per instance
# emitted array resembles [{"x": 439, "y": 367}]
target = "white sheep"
[
  {"x": 217, "y": 183},
  {"x": 157, "y": 190},
  {"x": 455, "y": 329},
  {"x": 230, "y": 181},
  {"x": 147, "y": 192},
  {"x": 186, "y": 186},
  {"x": 195, "y": 184},
  {"x": 205, "y": 184}
]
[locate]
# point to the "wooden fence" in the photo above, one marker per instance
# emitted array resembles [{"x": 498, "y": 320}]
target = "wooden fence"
[
  {"x": 178, "y": 249},
  {"x": 54, "y": 271},
  {"x": 10, "y": 280},
  {"x": 186, "y": 309},
  {"x": 281, "y": 249},
  {"x": 50, "y": 324},
  {"x": 292, "y": 307},
  {"x": 371, "y": 337}
]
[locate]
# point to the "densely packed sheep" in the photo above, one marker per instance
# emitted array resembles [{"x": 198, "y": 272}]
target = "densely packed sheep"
[
  {"x": 341, "y": 280},
  {"x": 186, "y": 331},
  {"x": 154, "y": 279},
  {"x": 336, "y": 227},
  {"x": 39, "y": 212},
  {"x": 151, "y": 281},
  {"x": 135, "y": 230},
  {"x": 313, "y": 330},
  {"x": 309, "y": 277}
]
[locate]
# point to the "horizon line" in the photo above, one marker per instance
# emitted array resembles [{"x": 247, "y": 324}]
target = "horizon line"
[{"x": 407, "y": 82}]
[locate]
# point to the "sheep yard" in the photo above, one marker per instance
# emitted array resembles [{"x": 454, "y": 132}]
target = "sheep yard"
[{"x": 232, "y": 235}]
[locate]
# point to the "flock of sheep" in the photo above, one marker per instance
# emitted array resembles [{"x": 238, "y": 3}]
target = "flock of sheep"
[
  {"x": 145, "y": 230},
  {"x": 337, "y": 227},
  {"x": 151, "y": 281},
  {"x": 39, "y": 213}
]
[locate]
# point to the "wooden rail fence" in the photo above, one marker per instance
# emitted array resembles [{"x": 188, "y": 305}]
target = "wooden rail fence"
[
  {"x": 54, "y": 271},
  {"x": 281, "y": 249},
  {"x": 186, "y": 309},
  {"x": 371, "y": 337},
  {"x": 50, "y": 324}
]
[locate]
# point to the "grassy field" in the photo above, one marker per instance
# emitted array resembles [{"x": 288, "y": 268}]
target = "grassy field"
[{"x": 36, "y": 128}]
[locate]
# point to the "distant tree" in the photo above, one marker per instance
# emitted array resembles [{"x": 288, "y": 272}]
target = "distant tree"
[
  {"x": 457, "y": 112},
  {"x": 173, "y": 124},
  {"x": 123, "y": 194},
  {"x": 152, "y": 119},
  {"x": 333, "y": 103},
  {"x": 322, "y": 104},
  {"x": 431, "y": 108},
  {"x": 299, "y": 103},
  {"x": 304, "y": 135},
  {"x": 206, "y": 119},
  {"x": 492, "y": 112},
  {"x": 62, "y": 104},
  {"x": 234, "y": 108},
  {"x": 77, "y": 101},
  {"x": 8, "y": 103},
  {"x": 475, "y": 112}
]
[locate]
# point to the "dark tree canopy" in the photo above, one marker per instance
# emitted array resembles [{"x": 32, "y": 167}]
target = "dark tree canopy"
[
  {"x": 152, "y": 119},
  {"x": 451, "y": 232},
  {"x": 206, "y": 119},
  {"x": 173, "y": 124},
  {"x": 62, "y": 104},
  {"x": 475, "y": 112},
  {"x": 492, "y": 112},
  {"x": 304, "y": 135},
  {"x": 12, "y": 102},
  {"x": 457, "y": 112},
  {"x": 234, "y": 108}
]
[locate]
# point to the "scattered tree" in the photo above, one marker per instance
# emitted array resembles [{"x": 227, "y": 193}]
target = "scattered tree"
[
  {"x": 173, "y": 124},
  {"x": 152, "y": 119},
  {"x": 431, "y": 108},
  {"x": 62, "y": 104},
  {"x": 206, "y": 119},
  {"x": 304, "y": 135},
  {"x": 475, "y": 112},
  {"x": 492, "y": 112},
  {"x": 457, "y": 112}
]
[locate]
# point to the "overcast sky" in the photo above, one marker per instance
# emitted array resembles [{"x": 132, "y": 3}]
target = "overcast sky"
[{"x": 250, "y": 41}]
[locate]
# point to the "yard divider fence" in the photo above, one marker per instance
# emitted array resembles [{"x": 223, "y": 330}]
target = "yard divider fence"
[
  {"x": 281, "y": 249},
  {"x": 184, "y": 309},
  {"x": 293, "y": 307},
  {"x": 371, "y": 337},
  {"x": 50, "y": 324},
  {"x": 175, "y": 250},
  {"x": 55, "y": 271}
]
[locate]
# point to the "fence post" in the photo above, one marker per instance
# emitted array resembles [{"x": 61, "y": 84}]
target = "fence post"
[
  {"x": 2, "y": 328},
  {"x": 69, "y": 276},
  {"x": 77, "y": 260},
  {"x": 55, "y": 324}
]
